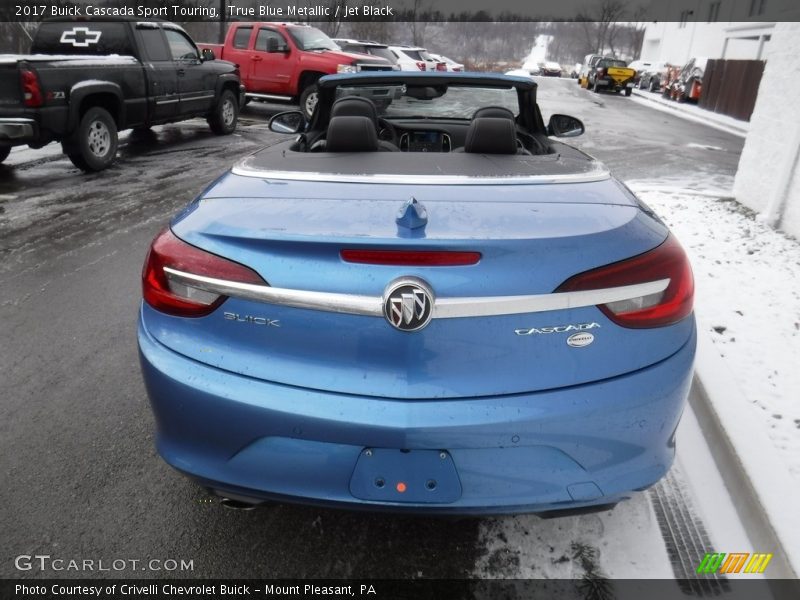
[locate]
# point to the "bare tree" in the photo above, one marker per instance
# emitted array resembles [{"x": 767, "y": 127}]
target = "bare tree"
[{"x": 600, "y": 23}]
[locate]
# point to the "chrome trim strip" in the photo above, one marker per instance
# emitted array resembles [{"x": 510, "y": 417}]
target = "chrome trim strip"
[
  {"x": 324, "y": 301},
  {"x": 166, "y": 101},
  {"x": 491, "y": 306},
  {"x": 190, "y": 98},
  {"x": 408, "y": 179},
  {"x": 443, "y": 308},
  {"x": 268, "y": 96}
]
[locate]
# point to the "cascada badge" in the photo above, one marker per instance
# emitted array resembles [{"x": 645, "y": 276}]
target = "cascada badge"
[
  {"x": 735, "y": 562},
  {"x": 579, "y": 338},
  {"x": 80, "y": 37}
]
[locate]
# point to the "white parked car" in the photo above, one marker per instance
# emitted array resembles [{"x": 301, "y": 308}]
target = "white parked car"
[
  {"x": 532, "y": 68},
  {"x": 450, "y": 63},
  {"x": 414, "y": 58},
  {"x": 520, "y": 73},
  {"x": 367, "y": 47}
]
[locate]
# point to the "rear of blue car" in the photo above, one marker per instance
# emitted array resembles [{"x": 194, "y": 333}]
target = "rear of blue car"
[{"x": 552, "y": 373}]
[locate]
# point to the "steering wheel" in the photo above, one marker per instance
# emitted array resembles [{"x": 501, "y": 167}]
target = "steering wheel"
[{"x": 384, "y": 128}]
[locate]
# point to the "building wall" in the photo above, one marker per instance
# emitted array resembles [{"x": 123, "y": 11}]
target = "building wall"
[
  {"x": 682, "y": 30},
  {"x": 769, "y": 173}
]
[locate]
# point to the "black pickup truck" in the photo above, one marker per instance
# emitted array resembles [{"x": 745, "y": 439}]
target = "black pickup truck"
[{"x": 86, "y": 80}]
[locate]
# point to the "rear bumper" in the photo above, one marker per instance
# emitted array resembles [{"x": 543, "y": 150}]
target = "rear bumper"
[
  {"x": 17, "y": 131},
  {"x": 562, "y": 449},
  {"x": 33, "y": 126},
  {"x": 612, "y": 84}
]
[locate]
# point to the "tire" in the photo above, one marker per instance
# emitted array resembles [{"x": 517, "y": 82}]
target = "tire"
[
  {"x": 93, "y": 146},
  {"x": 4, "y": 152},
  {"x": 308, "y": 100},
  {"x": 225, "y": 115},
  {"x": 652, "y": 88},
  {"x": 628, "y": 91}
]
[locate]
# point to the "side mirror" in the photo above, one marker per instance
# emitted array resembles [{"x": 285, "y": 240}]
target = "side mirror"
[
  {"x": 273, "y": 46},
  {"x": 207, "y": 54},
  {"x": 291, "y": 121},
  {"x": 565, "y": 126}
]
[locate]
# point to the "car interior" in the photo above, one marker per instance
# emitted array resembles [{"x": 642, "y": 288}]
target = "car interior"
[{"x": 354, "y": 126}]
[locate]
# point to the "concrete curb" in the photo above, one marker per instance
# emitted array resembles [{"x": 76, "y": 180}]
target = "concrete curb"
[
  {"x": 764, "y": 495},
  {"x": 708, "y": 118}
]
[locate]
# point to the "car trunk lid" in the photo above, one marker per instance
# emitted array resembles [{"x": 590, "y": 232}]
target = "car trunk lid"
[{"x": 531, "y": 238}]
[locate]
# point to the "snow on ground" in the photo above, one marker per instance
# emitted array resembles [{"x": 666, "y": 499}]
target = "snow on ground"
[
  {"x": 747, "y": 298},
  {"x": 692, "y": 112}
]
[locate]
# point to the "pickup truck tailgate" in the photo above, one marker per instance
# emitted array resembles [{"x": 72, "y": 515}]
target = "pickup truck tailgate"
[{"x": 10, "y": 93}]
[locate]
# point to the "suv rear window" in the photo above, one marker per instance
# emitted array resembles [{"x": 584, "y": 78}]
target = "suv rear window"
[
  {"x": 82, "y": 37},
  {"x": 413, "y": 54},
  {"x": 383, "y": 53}
]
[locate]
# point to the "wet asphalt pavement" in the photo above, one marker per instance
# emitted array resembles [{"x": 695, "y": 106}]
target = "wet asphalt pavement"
[{"x": 79, "y": 477}]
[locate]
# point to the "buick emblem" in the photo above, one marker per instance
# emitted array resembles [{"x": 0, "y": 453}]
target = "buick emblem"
[{"x": 408, "y": 304}]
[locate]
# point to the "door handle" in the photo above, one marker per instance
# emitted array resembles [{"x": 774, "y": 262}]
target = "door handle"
[
  {"x": 257, "y": 58},
  {"x": 181, "y": 72}
]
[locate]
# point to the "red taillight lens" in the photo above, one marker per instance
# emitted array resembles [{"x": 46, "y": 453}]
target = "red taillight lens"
[
  {"x": 31, "y": 92},
  {"x": 175, "y": 298},
  {"x": 668, "y": 261},
  {"x": 441, "y": 67},
  {"x": 414, "y": 258},
  {"x": 421, "y": 66}
]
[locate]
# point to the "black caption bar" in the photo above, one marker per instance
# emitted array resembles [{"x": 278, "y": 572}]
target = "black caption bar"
[
  {"x": 402, "y": 10},
  {"x": 416, "y": 589}
]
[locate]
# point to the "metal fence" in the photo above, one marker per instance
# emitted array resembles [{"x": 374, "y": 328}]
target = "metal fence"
[{"x": 730, "y": 87}]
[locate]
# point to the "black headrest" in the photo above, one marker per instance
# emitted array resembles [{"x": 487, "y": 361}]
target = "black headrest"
[
  {"x": 355, "y": 106},
  {"x": 491, "y": 135},
  {"x": 498, "y": 112},
  {"x": 351, "y": 134}
]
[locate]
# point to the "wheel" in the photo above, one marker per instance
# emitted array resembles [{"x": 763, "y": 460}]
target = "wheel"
[
  {"x": 225, "y": 115},
  {"x": 4, "y": 152},
  {"x": 93, "y": 146},
  {"x": 308, "y": 100},
  {"x": 652, "y": 87},
  {"x": 628, "y": 91},
  {"x": 641, "y": 83}
]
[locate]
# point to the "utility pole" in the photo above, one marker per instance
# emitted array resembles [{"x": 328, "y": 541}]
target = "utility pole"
[{"x": 222, "y": 18}]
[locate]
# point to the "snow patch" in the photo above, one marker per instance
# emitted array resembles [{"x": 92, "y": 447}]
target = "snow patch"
[{"x": 747, "y": 300}]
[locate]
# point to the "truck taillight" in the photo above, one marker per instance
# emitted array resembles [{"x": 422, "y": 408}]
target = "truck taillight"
[
  {"x": 602, "y": 71},
  {"x": 168, "y": 295},
  {"x": 421, "y": 65},
  {"x": 31, "y": 91},
  {"x": 667, "y": 261}
]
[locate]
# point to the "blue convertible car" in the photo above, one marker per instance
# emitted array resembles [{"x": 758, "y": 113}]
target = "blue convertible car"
[{"x": 421, "y": 301}]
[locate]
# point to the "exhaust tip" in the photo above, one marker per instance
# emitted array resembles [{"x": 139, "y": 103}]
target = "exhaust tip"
[{"x": 232, "y": 504}]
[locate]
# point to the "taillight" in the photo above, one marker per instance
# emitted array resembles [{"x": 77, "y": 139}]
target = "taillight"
[
  {"x": 441, "y": 67},
  {"x": 416, "y": 258},
  {"x": 31, "y": 91},
  {"x": 421, "y": 65},
  {"x": 601, "y": 71},
  {"x": 166, "y": 294},
  {"x": 669, "y": 306}
]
